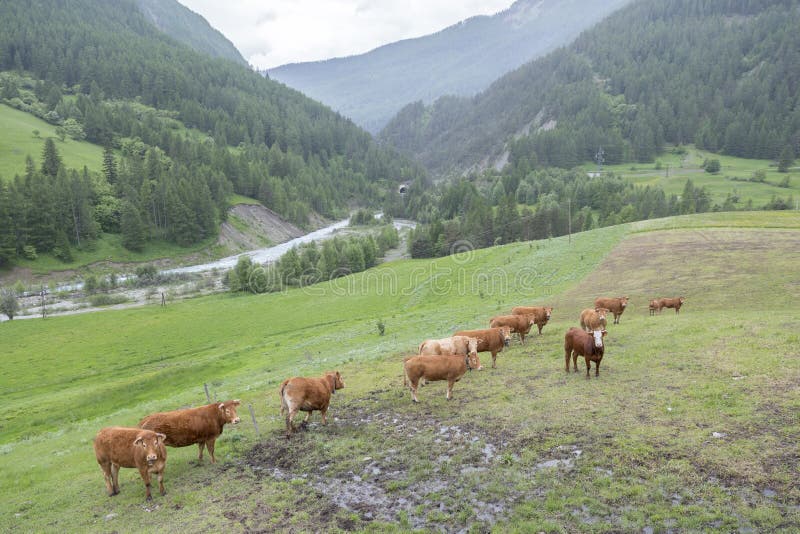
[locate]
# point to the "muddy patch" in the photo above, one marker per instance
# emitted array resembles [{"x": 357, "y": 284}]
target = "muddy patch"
[{"x": 415, "y": 469}]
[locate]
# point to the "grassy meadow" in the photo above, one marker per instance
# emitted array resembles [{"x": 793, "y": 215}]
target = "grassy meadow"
[
  {"x": 17, "y": 141},
  {"x": 691, "y": 425},
  {"x": 732, "y": 178}
]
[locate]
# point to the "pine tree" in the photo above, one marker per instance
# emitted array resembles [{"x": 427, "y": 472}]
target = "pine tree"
[
  {"x": 132, "y": 227},
  {"x": 51, "y": 160},
  {"x": 109, "y": 166},
  {"x": 7, "y": 242}
]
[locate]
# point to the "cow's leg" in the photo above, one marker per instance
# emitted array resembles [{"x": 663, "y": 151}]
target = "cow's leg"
[
  {"x": 414, "y": 385},
  {"x": 540, "y": 328},
  {"x": 210, "y": 444},
  {"x": 597, "y": 368},
  {"x": 324, "y": 412},
  {"x": 115, "y": 477},
  {"x": 588, "y": 366},
  {"x": 566, "y": 359},
  {"x": 289, "y": 417},
  {"x": 200, "y": 446},
  {"x": 450, "y": 384},
  {"x": 494, "y": 359},
  {"x": 575, "y": 360},
  {"x": 106, "y": 467},
  {"x": 146, "y": 477},
  {"x": 308, "y": 417}
]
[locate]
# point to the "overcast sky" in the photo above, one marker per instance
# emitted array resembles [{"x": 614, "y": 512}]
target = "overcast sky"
[{"x": 270, "y": 33}]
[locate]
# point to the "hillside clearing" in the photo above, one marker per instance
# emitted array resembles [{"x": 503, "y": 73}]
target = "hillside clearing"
[{"x": 691, "y": 425}]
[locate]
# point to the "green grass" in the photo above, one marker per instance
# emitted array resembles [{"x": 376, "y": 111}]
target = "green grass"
[
  {"x": 648, "y": 458},
  {"x": 17, "y": 142},
  {"x": 108, "y": 251},
  {"x": 676, "y": 169}
]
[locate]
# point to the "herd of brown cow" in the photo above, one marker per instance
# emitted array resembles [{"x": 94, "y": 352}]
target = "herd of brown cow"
[{"x": 449, "y": 359}]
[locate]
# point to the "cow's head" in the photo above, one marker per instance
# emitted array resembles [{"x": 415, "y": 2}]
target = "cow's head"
[
  {"x": 623, "y": 301},
  {"x": 681, "y": 299},
  {"x": 547, "y": 312},
  {"x": 506, "y": 332},
  {"x": 335, "y": 379},
  {"x": 601, "y": 312},
  {"x": 153, "y": 445},
  {"x": 228, "y": 411},
  {"x": 472, "y": 345},
  {"x": 531, "y": 319},
  {"x": 598, "y": 338},
  {"x": 473, "y": 362}
]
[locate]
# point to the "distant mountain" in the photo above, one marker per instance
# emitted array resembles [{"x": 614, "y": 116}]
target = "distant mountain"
[
  {"x": 186, "y": 26},
  {"x": 461, "y": 60},
  {"x": 721, "y": 74}
]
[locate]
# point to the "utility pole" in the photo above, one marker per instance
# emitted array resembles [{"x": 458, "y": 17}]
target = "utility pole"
[
  {"x": 44, "y": 302},
  {"x": 600, "y": 159}
]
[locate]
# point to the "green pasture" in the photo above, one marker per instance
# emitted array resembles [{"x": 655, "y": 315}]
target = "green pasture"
[
  {"x": 677, "y": 168},
  {"x": 692, "y": 424},
  {"x": 17, "y": 142},
  {"x": 107, "y": 252}
]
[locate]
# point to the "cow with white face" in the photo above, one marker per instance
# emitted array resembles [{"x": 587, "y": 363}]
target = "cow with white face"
[{"x": 586, "y": 344}]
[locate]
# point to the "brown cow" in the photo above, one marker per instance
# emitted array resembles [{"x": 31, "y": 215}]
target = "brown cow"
[
  {"x": 306, "y": 395},
  {"x": 615, "y": 305},
  {"x": 490, "y": 340},
  {"x": 118, "y": 446},
  {"x": 673, "y": 302},
  {"x": 449, "y": 346},
  {"x": 586, "y": 344},
  {"x": 433, "y": 368},
  {"x": 540, "y": 314},
  {"x": 594, "y": 319},
  {"x": 521, "y": 324},
  {"x": 201, "y": 425},
  {"x": 655, "y": 306}
]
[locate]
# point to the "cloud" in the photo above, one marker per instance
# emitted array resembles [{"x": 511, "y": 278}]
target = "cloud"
[{"x": 288, "y": 31}]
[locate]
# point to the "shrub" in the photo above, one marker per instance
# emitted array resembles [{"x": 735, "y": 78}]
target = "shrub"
[{"x": 712, "y": 166}]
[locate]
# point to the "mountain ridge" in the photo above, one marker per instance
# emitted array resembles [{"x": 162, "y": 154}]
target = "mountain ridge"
[{"x": 460, "y": 59}]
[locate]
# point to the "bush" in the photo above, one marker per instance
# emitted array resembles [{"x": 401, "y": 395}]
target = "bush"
[
  {"x": 8, "y": 302},
  {"x": 712, "y": 166},
  {"x": 90, "y": 284},
  {"x": 146, "y": 274},
  {"x": 29, "y": 252}
]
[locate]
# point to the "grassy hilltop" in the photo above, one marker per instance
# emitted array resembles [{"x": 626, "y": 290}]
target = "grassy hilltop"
[{"x": 692, "y": 423}]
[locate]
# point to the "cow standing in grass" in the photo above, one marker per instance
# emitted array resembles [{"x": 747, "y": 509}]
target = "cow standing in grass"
[
  {"x": 434, "y": 368},
  {"x": 616, "y": 305},
  {"x": 490, "y": 340},
  {"x": 593, "y": 319},
  {"x": 541, "y": 314},
  {"x": 201, "y": 425},
  {"x": 655, "y": 306},
  {"x": 299, "y": 394},
  {"x": 520, "y": 324},
  {"x": 449, "y": 346},
  {"x": 116, "y": 447},
  {"x": 587, "y": 344},
  {"x": 674, "y": 302}
]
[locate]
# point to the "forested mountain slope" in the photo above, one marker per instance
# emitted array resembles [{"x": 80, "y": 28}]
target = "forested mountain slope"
[
  {"x": 461, "y": 59},
  {"x": 186, "y": 26},
  {"x": 182, "y": 129},
  {"x": 720, "y": 74}
]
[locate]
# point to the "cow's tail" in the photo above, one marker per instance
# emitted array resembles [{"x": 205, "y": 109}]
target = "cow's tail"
[
  {"x": 405, "y": 374},
  {"x": 284, "y": 406}
]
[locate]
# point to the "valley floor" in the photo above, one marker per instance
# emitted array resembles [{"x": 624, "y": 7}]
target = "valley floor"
[{"x": 691, "y": 426}]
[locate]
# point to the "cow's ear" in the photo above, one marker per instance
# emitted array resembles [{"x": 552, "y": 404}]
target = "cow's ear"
[
  {"x": 138, "y": 441},
  {"x": 221, "y": 405},
  {"x": 161, "y": 437},
  {"x": 236, "y": 402},
  {"x": 605, "y": 332}
]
